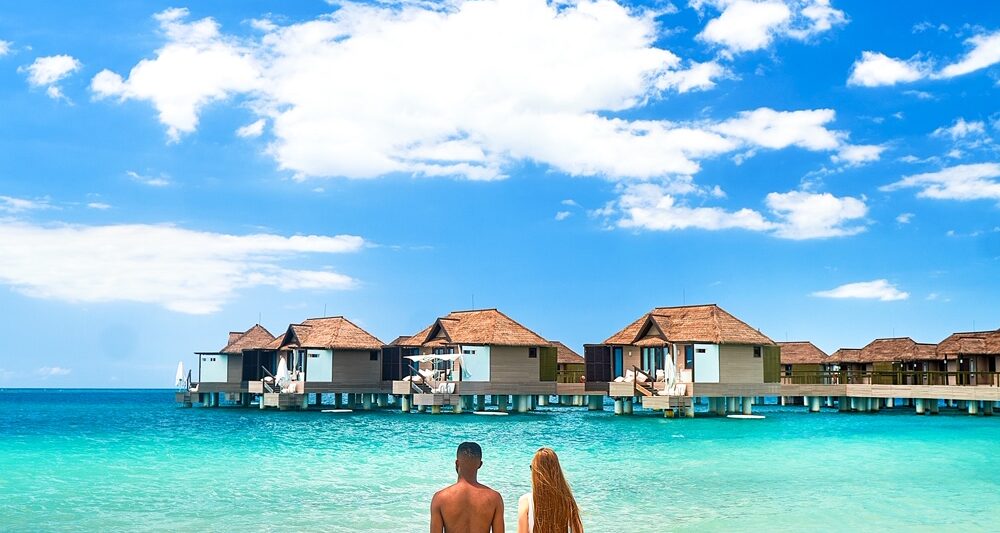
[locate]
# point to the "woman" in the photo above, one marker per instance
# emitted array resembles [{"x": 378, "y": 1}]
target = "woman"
[{"x": 549, "y": 507}]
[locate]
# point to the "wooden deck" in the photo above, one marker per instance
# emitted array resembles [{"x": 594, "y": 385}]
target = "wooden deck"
[{"x": 473, "y": 388}]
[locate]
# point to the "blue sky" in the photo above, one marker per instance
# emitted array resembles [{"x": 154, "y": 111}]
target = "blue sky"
[{"x": 170, "y": 172}]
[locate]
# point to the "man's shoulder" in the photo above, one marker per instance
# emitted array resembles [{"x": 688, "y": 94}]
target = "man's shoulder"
[{"x": 443, "y": 493}]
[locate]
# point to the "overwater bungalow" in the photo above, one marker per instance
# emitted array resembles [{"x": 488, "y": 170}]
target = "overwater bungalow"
[
  {"x": 680, "y": 352},
  {"x": 333, "y": 355},
  {"x": 802, "y": 362},
  {"x": 467, "y": 355},
  {"x": 229, "y": 370},
  {"x": 974, "y": 357},
  {"x": 882, "y": 360}
]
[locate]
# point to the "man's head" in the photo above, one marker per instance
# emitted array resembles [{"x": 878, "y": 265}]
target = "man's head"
[{"x": 469, "y": 458}]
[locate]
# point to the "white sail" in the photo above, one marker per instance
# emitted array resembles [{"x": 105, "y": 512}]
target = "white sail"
[{"x": 179, "y": 379}]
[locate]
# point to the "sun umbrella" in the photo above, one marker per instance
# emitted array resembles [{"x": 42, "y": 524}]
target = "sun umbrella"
[{"x": 179, "y": 379}]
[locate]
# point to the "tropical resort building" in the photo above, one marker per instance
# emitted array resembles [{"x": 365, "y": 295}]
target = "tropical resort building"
[
  {"x": 465, "y": 356},
  {"x": 669, "y": 355},
  {"x": 226, "y": 373},
  {"x": 333, "y": 355},
  {"x": 669, "y": 359},
  {"x": 973, "y": 357},
  {"x": 803, "y": 362}
]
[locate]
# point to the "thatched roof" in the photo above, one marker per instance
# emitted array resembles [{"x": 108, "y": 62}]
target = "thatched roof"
[
  {"x": 565, "y": 355},
  {"x": 692, "y": 323},
  {"x": 970, "y": 343},
  {"x": 335, "y": 332},
  {"x": 846, "y": 355},
  {"x": 485, "y": 326},
  {"x": 802, "y": 353},
  {"x": 898, "y": 349},
  {"x": 255, "y": 338}
]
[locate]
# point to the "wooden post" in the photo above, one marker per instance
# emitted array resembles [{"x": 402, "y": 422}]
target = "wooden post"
[
  {"x": 628, "y": 406},
  {"x": 460, "y": 406},
  {"x": 481, "y": 402},
  {"x": 988, "y": 408},
  {"x": 720, "y": 406},
  {"x": 366, "y": 401},
  {"x": 689, "y": 411},
  {"x": 543, "y": 400},
  {"x": 731, "y": 404}
]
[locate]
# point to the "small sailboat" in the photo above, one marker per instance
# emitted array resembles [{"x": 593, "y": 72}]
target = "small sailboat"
[{"x": 179, "y": 377}]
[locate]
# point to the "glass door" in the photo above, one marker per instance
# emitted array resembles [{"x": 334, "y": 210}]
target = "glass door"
[{"x": 617, "y": 363}]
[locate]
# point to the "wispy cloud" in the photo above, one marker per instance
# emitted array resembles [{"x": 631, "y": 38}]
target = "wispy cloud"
[
  {"x": 152, "y": 181},
  {"x": 100, "y": 206},
  {"x": 182, "y": 270},
  {"x": 53, "y": 371},
  {"x": 10, "y": 204},
  {"x": 879, "y": 289},
  {"x": 563, "y": 215},
  {"x": 962, "y": 182},
  {"x": 254, "y": 129},
  {"x": 905, "y": 218}
]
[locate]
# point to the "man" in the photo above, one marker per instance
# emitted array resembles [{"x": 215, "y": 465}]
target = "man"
[{"x": 468, "y": 506}]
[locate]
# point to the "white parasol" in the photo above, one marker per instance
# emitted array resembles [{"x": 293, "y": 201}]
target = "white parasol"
[{"x": 179, "y": 379}]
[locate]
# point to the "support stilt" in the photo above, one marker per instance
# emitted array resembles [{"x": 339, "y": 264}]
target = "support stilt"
[
  {"x": 844, "y": 404},
  {"x": 814, "y": 404},
  {"x": 595, "y": 403},
  {"x": 920, "y": 406},
  {"x": 747, "y": 405},
  {"x": 973, "y": 407},
  {"x": 628, "y": 406},
  {"x": 935, "y": 405},
  {"x": 404, "y": 403},
  {"x": 619, "y": 406}
]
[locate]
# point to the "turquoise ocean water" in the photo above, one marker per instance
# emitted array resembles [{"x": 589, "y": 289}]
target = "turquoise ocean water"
[{"x": 134, "y": 461}]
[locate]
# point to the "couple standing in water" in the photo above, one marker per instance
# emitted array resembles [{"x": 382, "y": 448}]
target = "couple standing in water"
[{"x": 468, "y": 506}]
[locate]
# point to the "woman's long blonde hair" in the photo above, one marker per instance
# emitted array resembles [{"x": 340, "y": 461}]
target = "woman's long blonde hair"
[{"x": 555, "y": 508}]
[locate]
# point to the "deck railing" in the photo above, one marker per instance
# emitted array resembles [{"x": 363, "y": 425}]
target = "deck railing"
[
  {"x": 569, "y": 376},
  {"x": 890, "y": 377}
]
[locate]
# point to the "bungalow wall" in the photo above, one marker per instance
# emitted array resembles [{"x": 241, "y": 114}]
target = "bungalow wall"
[
  {"x": 511, "y": 364},
  {"x": 357, "y": 366},
  {"x": 739, "y": 364},
  {"x": 213, "y": 368},
  {"x": 319, "y": 365}
]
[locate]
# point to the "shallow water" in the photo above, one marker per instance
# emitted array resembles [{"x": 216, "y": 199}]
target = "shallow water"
[{"x": 134, "y": 461}]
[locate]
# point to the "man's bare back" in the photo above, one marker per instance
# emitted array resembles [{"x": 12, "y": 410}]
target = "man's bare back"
[{"x": 467, "y": 508}]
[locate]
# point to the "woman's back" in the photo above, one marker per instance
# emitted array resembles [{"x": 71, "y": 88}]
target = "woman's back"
[{"x": 550, "y": 506}]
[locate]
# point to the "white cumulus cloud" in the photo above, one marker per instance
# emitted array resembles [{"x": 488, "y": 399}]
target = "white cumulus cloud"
[
  {"x": 748, "y": 25},
  {"x": 961, "y": 129},
  {"x": 879, "y": 289},
  {"x": 49, "y": 71},
  {"x": 533, "y": 81},
  {"x": 796, "y": 215},
  {"x": 5, "y": 47},
  {"x": 179, "y": 269},
  {"x": 858, "y": 154},
  {"x": 977, "y": 181},
  {"x": 53, "y": 371},
  {"x": 152, "y": 181},
  {"x": 876, "y": 69},
  {"x": 804, "y": 215},
  {"x": 197, "y": 66}
]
